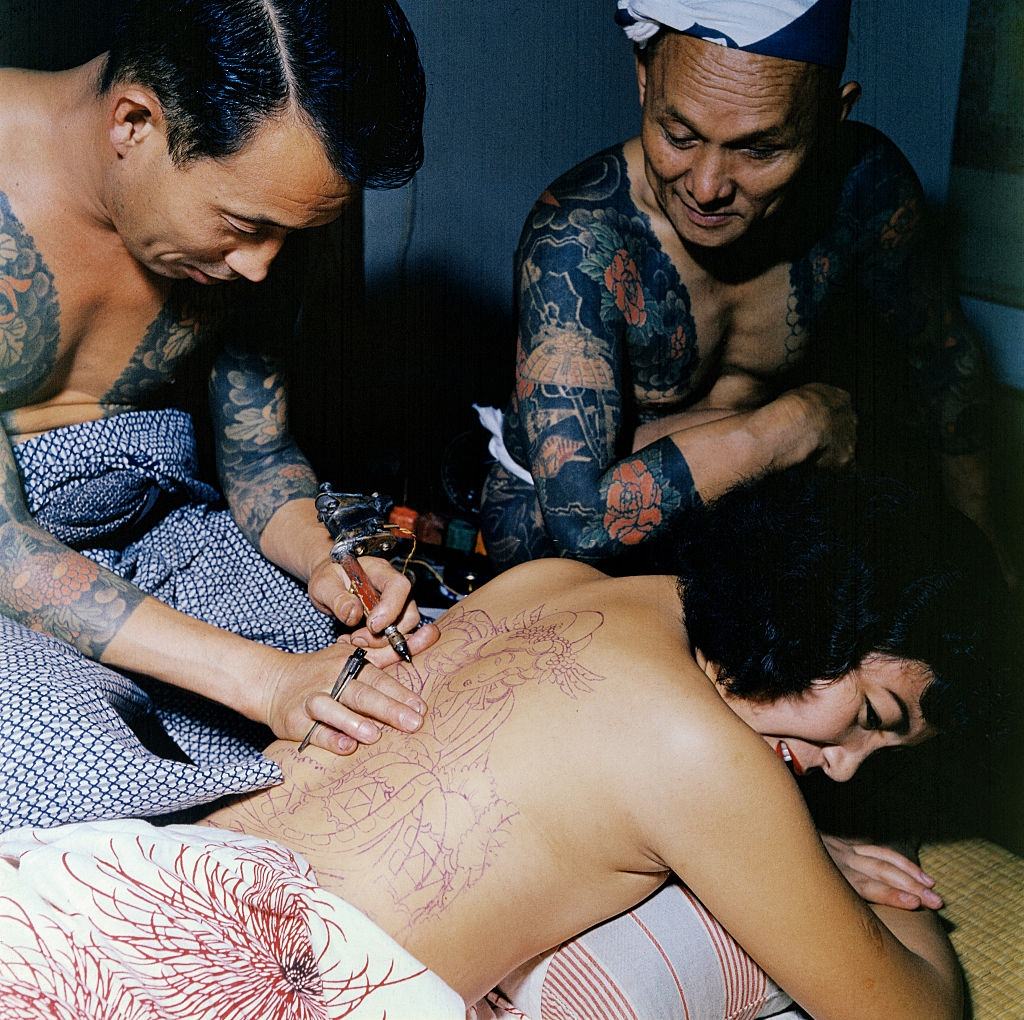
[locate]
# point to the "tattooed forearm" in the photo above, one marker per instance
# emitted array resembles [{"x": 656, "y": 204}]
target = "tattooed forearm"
[
  {"x": 29, "y": 313},
  {"x": 50, "y": 588},
  {"x": 260, "y": 466}
]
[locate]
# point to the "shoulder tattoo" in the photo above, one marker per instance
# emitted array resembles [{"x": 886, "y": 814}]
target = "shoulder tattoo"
[
  {"x": 29, "y": 312},
  {"x": 171, "y": 336}
]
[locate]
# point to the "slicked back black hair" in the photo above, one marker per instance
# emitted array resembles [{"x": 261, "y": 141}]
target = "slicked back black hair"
[
  {"x": 799, "y": 576},
  {"x": 221, "y": 68}
]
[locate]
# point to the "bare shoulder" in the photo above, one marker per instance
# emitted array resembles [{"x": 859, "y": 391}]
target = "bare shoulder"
[
  {"x": 536, "y": 581},
  {"x": 23, "y": 92},
  {"x": 718, "y": 809}
]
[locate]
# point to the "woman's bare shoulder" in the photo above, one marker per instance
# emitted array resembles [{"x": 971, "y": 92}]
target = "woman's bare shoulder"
[{"x": 536, "y": 581}]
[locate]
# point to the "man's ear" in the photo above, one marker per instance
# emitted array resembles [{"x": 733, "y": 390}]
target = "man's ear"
[
  {"x": 641, "y": 79},
  {"x": 848, "y": 96},
  {"x": 135, "y": 117}
]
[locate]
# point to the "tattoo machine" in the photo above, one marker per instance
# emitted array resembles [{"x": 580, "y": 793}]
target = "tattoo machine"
[{"x": 358, "y": 525}]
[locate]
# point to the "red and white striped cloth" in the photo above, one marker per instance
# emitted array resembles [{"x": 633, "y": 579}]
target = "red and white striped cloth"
[{"x": 667, "y": 958}]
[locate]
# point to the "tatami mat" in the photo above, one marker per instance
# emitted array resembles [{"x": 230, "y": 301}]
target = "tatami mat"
[{"x": 983, "y": 886}]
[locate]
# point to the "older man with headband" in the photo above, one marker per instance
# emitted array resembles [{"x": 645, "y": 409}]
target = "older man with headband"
[{"x": 683, "y": 297}]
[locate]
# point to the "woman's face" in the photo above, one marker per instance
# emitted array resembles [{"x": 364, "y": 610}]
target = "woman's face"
[{"x": 836, "y": 724}]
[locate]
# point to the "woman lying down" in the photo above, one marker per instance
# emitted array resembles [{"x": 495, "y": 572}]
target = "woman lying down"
[{"x": 586, "y": 737}]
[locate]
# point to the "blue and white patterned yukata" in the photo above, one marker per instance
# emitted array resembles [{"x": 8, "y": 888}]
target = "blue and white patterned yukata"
[{"x": 123, "y": 491}]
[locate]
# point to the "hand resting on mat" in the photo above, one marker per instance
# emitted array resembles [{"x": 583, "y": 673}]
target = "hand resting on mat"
[{"x": 882, "y": 875}]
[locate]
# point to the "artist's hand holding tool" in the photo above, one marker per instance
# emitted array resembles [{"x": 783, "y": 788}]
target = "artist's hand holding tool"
[
  {"x": 353, "y": 580},
  {"x": 335, "y": 697},
  {"x": 343, "y": 713}
]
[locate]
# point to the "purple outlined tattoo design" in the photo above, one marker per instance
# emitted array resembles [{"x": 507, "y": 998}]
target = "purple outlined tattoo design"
[{"x": 423, "y": 815}]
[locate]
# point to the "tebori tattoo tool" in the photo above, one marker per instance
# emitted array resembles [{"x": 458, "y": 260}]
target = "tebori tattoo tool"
[
  {"x": 352, "y": 668},
  {"x": 358, "y": 525}
]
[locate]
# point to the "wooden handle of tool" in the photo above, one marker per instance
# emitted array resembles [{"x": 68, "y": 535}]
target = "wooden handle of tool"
[{"x": 361, "y": 586}]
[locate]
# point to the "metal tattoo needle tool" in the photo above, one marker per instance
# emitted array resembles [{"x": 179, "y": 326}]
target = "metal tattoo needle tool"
[
  {"x": 352, "y": 668},
  {"x": 357, "y": 525}
]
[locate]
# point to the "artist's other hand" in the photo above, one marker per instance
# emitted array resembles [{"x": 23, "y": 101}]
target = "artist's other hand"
[
  {"x": 297, "y": 694},
  {"x": 821, "y": 423},
  {"x": 880, "y": 874}
]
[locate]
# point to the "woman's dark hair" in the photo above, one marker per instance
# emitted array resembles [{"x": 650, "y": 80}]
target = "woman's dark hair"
[
  {"x": 798, "y": 576},
  {"x": 221, "y": 68}
]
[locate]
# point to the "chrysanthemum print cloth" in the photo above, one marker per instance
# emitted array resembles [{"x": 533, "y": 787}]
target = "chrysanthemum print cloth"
[
  {"x": 128, "y": 921},
  {"x": 124, "y": 492}
]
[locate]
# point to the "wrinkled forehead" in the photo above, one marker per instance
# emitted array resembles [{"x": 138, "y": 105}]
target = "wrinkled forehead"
[{"x": 686, "y": 69}]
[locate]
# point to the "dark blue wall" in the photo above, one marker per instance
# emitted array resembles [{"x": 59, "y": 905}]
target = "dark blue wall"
[
  {"x": 518, "y": 93},
  {"x": 521, "y": 91}
]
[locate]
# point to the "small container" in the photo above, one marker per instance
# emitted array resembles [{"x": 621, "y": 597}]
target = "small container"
[
  {"x": 430, "y": 528},
  {"x": 461, "y": 535},
  {"x": 404, "y": 517}
]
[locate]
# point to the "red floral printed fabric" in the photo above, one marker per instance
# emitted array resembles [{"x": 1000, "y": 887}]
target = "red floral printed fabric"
[{"x": 125, "y": 920}]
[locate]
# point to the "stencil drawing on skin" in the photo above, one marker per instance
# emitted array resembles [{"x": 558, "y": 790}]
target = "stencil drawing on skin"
[{"x": 377, "y": 804}]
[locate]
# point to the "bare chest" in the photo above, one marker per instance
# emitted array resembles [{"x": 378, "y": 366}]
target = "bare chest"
[
  {"x": 704, "y": 343},
  {"x": 85, "y": 331}
]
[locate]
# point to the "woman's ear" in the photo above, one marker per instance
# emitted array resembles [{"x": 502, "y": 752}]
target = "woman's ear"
[{"x": 710, "y": 669}]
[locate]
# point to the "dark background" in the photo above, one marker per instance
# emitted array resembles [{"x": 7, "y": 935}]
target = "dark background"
[{"x": 407, "y": 313}]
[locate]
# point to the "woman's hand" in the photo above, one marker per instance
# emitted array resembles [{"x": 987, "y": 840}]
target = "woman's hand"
[
  {"x": 880, "y": 874},
  {"x": 297, "y": 687}
]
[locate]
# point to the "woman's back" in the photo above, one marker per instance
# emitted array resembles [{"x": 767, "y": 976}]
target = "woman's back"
[
  {"x": 573, "y": 754},
  {"x": 503, "y": 825}
]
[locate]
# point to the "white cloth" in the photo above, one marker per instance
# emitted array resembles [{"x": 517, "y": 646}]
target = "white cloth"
[
  {"x": 492, "y": 419},
  {"x": 124, "y": 919},
  {"x": 742, "y": 21}
]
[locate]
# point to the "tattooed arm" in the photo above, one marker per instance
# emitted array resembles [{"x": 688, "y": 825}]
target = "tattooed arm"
[
  {"x": 902, "y": 279},
  {"x": 603, "y": 315},
  {"x": 47, "y": 586},
  {"x": 270, "y": 488},
  {"x": 50, "y": 588}
]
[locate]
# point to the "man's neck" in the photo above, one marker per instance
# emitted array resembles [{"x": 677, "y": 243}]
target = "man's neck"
[{"x": 69, "y": 153}]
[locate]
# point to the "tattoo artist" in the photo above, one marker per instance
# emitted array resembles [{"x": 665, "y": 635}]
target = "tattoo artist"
[
  {"x": 673, "y": 290},
  {"x": 143, "y": 199}
]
